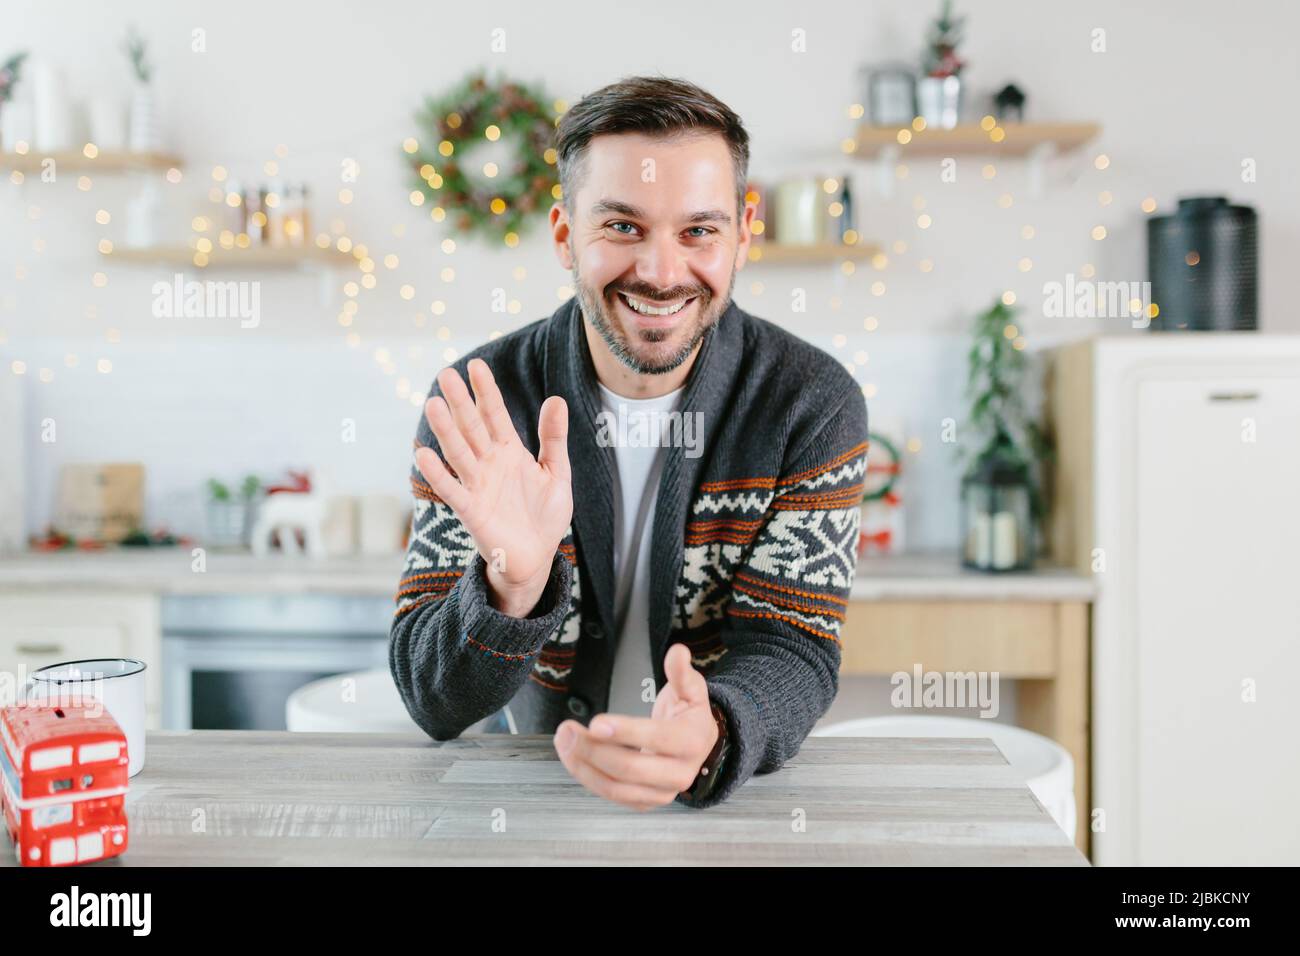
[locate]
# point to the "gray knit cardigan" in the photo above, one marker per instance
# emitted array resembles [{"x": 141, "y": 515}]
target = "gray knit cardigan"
[{"x": 753, "y": 551}]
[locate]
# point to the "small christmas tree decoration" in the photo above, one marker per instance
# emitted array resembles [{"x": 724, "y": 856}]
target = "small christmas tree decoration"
[
  {"x": 939, "y": 92},
  {"x": 941, "y": 46}
]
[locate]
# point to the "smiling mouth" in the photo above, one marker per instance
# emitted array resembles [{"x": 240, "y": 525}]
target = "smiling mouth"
[{"x": 654, "y": 311}]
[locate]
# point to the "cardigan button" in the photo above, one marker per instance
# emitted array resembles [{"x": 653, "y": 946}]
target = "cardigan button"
[
  {"x": 595, "y": 631},
  {"x": 578, "y": 707}
]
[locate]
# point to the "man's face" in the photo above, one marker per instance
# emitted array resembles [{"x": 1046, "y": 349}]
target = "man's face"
[{"x": 654, "y": 243}]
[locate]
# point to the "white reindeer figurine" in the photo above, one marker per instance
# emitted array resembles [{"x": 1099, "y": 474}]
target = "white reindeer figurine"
[{"x": 289, "y": 511}]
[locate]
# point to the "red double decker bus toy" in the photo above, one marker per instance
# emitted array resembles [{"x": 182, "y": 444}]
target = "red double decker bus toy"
[{"x": 65, "y": 780}]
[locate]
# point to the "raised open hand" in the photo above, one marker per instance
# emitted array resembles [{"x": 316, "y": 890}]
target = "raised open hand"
[{"x": 515, "y": 507}]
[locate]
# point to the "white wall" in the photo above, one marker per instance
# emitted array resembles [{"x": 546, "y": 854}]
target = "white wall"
[{"x": 1185, "y": 92}]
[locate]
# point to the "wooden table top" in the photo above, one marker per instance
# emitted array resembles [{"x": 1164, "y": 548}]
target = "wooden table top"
[{"x": 264, "y": 798}]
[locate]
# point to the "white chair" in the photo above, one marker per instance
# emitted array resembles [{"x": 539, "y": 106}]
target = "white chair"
[
  {"x": 357, "y": 702},
  {"x": 1046, "y": 766}
]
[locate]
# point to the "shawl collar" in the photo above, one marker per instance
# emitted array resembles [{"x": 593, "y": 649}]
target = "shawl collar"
[{"x": 570, "y": 373}]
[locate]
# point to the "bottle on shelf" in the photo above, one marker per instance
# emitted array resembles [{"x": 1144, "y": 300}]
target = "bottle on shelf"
[
  {"x": 848, "y": 219},
  {"x": 276, "y": 209}
]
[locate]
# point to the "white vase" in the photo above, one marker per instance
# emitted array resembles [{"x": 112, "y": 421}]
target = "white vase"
[
  {"x": 107, "y": 123},
  {"x": 938, "y": 98},
  {"x": 142, "y": 217},
  {"x": 15, "y": 124},
  {"x": 53, "y": 119},
  {"x": 144, "y": 120}
]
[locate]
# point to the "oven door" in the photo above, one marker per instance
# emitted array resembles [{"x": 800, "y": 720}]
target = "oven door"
[
  {"x": 243, "y": 682},
  {"x": 231, "y": 662}
]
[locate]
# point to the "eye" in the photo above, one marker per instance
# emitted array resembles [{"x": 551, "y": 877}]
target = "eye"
[
  {"x": 701, "y": 230},
  {"x": 616, "y": 226}
]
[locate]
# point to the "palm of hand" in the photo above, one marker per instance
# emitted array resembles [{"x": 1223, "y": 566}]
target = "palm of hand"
[
  {"x": 514, "y": 506},
  {"x": 518, "y": 510}
]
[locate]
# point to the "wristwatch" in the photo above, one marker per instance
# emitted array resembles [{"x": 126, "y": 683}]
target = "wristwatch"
[{"x": 711, "y": 770}]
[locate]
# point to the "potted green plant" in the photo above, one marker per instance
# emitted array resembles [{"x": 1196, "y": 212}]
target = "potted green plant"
[
  {"x": 1003, "y": 450},
  {"x": 10, "y": 74},
  {"x": 230, "y": 514},
  {"x": 144, "y": 121}
]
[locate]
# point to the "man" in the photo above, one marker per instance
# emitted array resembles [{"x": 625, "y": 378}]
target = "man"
[{"x": 669, "y": 604}]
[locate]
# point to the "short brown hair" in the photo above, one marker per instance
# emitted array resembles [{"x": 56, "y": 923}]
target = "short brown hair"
[{"x": 653, "y": 105}]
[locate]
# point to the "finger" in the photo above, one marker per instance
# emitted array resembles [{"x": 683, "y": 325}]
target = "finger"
[
  {"x": 629, "y": 795},
  {"x": 464, "y": 411},
  {"x": 668, "y": 738},
  {"x": 628, "y": 765},
  {"x": 553, "y": 434},
  {"x": 688, "y": 683},
  {"x": 490, "y": 403},
  {"x": 454, "y": 447},
  {"x": 441, "y": 481}
]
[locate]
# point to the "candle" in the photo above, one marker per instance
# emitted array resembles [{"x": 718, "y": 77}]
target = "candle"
[
  {"x": 983, "y": 540},
  {"x": 1004, "y": 540}
]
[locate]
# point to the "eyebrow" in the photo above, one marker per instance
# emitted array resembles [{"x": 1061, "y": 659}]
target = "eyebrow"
[{"x": 632, "y": 212}]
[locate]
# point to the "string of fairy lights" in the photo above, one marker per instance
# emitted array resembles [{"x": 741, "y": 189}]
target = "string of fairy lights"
[{"x": 206, "y": 238}]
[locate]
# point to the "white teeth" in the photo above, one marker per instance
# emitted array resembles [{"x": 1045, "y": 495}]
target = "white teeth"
[{"x": 644, "y": 309}]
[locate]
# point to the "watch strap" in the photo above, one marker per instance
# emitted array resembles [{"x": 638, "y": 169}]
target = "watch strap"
[{"x": 707, "y": 779}]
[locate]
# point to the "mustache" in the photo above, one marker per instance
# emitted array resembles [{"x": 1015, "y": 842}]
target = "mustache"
[{"x": 651, "y": 294}]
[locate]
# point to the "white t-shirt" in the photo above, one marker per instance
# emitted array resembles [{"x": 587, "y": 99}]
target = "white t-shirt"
[{"x": 634, "y": 425}]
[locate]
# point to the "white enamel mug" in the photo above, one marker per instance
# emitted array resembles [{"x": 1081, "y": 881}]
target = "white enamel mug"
[{"x": 116, "y": 683}]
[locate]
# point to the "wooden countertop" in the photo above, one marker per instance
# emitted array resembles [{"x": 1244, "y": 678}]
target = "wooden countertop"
[
  {"x": 939, "y": 576},
  {"x": 279, "y": 798},
  {"x": 905, "y": 577}
]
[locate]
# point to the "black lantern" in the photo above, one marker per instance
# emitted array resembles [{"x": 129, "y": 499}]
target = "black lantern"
[{"x": 998, "y": 532}]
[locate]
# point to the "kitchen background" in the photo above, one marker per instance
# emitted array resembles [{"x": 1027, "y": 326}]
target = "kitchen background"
[
  {"x": 1137, "y": 107},
  {"x": 1176, "y": 94}
]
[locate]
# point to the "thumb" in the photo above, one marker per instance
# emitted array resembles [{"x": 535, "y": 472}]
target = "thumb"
[
  {"x": 688, "y": 683},
  {"x": 553, "y": 437}
]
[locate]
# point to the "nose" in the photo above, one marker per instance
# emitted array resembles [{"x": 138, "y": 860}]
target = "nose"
[{"x": 662, "y": 263}]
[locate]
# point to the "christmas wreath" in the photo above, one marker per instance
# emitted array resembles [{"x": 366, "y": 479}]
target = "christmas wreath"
[
  {"x": 498, "y": 204},
  {"x": 887, "y": 463}
]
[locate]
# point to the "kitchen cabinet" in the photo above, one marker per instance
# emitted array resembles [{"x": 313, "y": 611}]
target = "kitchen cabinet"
[
  {"x": 1177, "y": 478},
  {"x": 48, "y": 627}
]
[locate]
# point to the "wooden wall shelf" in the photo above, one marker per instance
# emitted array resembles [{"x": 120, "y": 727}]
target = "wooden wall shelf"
[
  {"x": 1020, "y": 139},
  {"x": 774, "y": 253},
  {"x": 79, "y": 162},
  {"x": 254, "y": 257}
]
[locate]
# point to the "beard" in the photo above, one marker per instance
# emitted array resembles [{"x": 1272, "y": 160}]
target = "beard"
[{"x": 650, "y": 351}]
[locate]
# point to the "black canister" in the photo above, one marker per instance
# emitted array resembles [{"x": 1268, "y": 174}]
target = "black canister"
[{"x": 1203, "y": 262}]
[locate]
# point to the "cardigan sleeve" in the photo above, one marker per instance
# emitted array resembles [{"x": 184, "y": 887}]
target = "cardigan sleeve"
[
  {"x": 454, "y": 657},
  {"x": 780, "y": 672}
]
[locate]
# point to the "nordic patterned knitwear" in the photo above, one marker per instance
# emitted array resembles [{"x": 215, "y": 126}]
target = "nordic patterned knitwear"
[{"x": 752, "y": 556}]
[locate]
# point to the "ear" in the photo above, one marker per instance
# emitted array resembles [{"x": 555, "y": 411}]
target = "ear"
[
  {"x": 560, "y": 232},
  {"x": 746, "y": 226}
]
